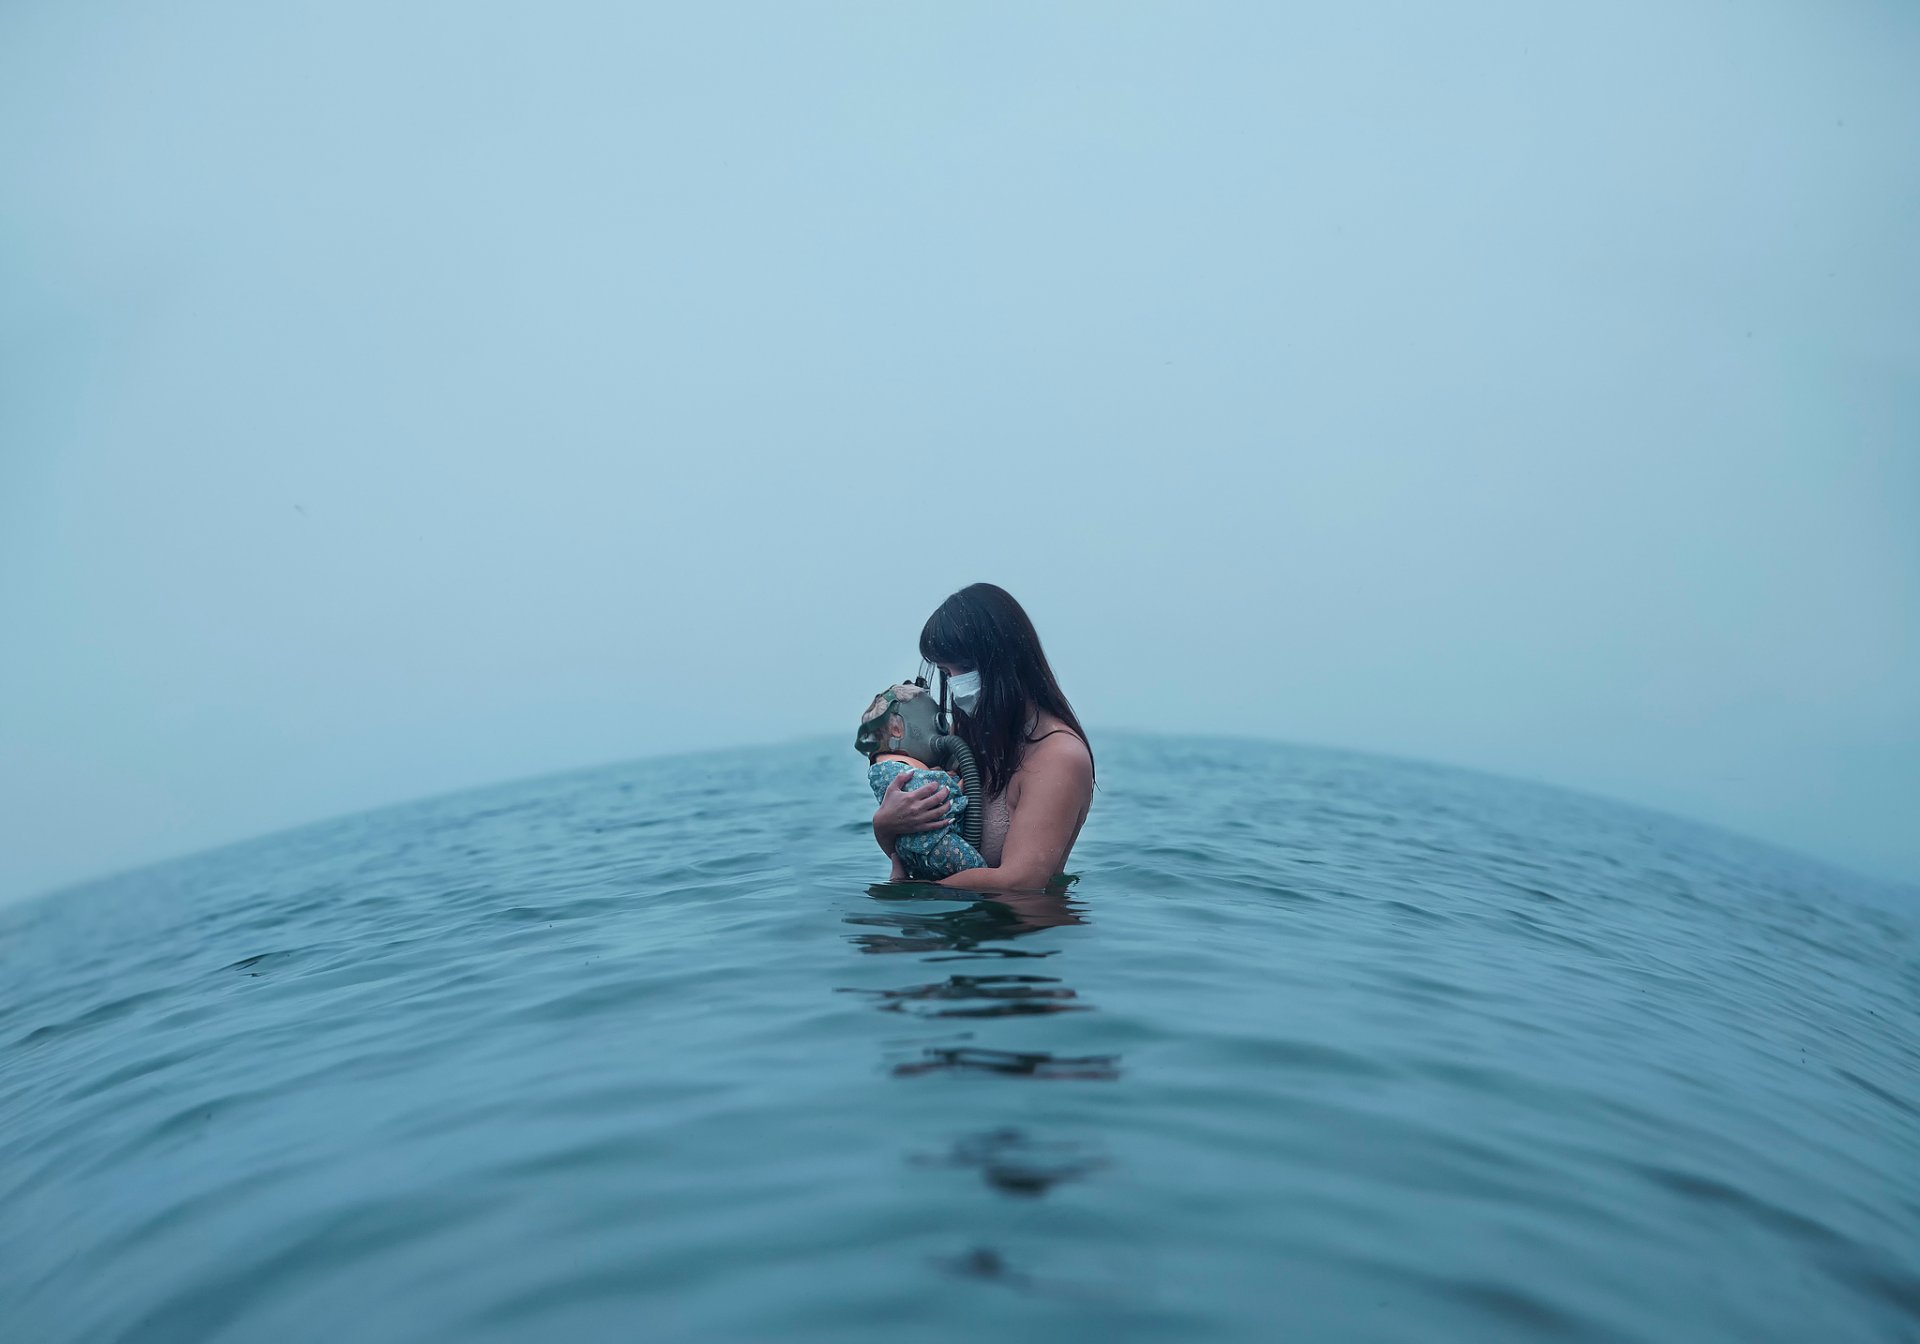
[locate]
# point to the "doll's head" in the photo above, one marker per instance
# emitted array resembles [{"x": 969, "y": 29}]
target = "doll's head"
[{"x": 903, "y": 720}]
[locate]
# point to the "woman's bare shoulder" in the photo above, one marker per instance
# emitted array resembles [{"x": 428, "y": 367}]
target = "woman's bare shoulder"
[{"x": 1059, "y": 755}]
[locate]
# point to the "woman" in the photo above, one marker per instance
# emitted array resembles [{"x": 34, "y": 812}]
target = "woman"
[{"x": 1035, "y": 766}]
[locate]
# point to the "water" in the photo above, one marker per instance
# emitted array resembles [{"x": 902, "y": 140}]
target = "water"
[{"x": 1319, "y": 1047}]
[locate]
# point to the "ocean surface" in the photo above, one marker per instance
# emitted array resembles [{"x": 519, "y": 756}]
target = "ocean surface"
[{"x": 1318, "y": 1046}]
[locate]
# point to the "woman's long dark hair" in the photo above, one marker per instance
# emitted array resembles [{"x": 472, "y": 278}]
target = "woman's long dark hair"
[{"x": 982, "y": 628}]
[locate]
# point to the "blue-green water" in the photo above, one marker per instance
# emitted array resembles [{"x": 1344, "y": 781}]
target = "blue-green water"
[{"x": 1319, "y": 1047}]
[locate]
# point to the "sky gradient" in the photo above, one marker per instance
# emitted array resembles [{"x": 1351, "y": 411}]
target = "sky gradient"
[{"x": 399, "y": 398}]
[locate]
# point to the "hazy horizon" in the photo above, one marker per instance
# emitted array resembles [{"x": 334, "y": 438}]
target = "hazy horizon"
[
  {"x": 393, "y": 403},
  {"x": 1097, "y": 733}
]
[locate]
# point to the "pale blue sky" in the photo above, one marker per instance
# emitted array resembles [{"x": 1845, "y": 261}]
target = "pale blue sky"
[{"x": 401, "y": 397}]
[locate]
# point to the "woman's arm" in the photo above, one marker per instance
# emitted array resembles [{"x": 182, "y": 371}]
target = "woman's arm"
[
  {"x": 903, "y": 811},
  {"x": 1055, "y": 788}
]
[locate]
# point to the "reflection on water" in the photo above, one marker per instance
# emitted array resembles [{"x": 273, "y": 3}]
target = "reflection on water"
[
  {"x": 963, "y": 934},
  {"x": 1005, "y": 996},
  {"x": 1011, "y": 1161},
  {"x": 1010, "y": 1063},
  {"x": 1015, "y": 1163}
]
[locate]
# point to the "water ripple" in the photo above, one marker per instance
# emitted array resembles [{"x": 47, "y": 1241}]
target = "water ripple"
[{"x": 1333, "y": 1048}]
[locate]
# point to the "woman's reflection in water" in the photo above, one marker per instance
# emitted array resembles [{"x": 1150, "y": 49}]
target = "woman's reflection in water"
[
  {"x": 968, "y": 932},
  {"x": 1009, "y": 1159}
]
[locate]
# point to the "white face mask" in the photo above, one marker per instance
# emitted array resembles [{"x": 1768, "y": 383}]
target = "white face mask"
[{"x": 965, "y": 690}]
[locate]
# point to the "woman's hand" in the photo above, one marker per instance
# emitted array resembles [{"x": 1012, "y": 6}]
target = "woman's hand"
[{"x": 904, "y": 812}]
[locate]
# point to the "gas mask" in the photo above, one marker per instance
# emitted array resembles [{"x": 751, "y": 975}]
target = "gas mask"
[{"x": 906, "y": 720}]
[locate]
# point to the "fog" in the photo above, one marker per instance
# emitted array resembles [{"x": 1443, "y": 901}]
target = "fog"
[{"x": 401, "y": 398}]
